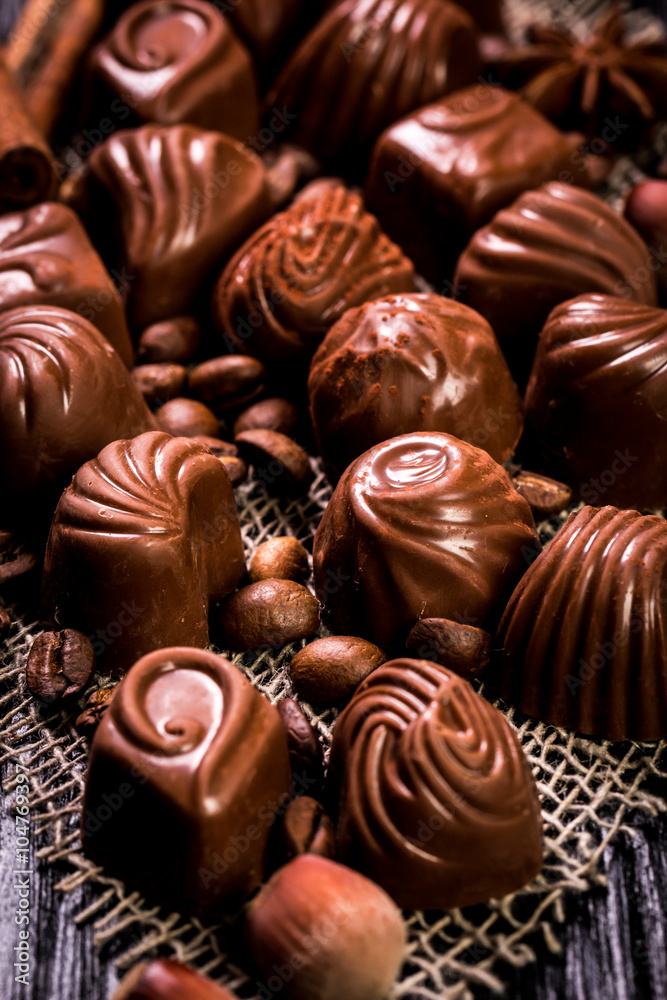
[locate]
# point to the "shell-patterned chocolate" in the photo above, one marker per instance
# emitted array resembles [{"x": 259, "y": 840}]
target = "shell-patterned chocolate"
[
  {"x": 182, "y": 210},
  {"x": 206, "y": 756},
  {"x": 597, "y": 400},
  {"x": 438, "y": 804},
  {"x": 367, "y": 63},
  {"x": 420, "y": 526},
  {"x": 64, "y": 395},
  {"x": 583, "y": 641},
  {"x": 298, "y": 274},
  {"x": 145, "y": 538}
]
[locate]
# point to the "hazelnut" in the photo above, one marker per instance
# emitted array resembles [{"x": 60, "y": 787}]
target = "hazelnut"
[{"x": 166, "y": 979}]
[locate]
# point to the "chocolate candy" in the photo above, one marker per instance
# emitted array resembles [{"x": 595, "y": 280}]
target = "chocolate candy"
[
  {"x": 181, "y": 200},
  {"x": 438, "y": 803},
  {"x": 421, "y": 526},
  {"x": 178, "y": 61},
  {"x": 583, "y": 638},
  {"x": 411, "y": 363},
  {"x": 144, "y": 538},
  {"x": 269, "y": 28},
  {"x": 65, "y": 395},
  {"x": 646, "y": 209},
  {"x": 442, "y": 172},
  {"x": 297, "y": 275},
  {"x": 366, "y": 64},
  {"x": 187, "y": 771},
  {"x": 47, "y": 259},
  {"x": 549, "y": 246},
  {"x": 596, "y": 400}
]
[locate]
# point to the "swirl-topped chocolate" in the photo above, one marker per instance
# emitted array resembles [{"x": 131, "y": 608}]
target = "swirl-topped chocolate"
[
  {"x": 177, "y": 61},
  {"x": 411, "y": 363},
  {"x": 142, "y": 541},
  {"x": 64, "y": 395},
  {"x": 420, "y": 526},
  {"x": 583, "y": 642},
  {"x": 597, "y": 399},
  {"x": 438, "y": 804},
  {"x": 297, "y": 275},
  {"x": 178, "y": 201},
  {"x": 197, "y": 761},
  {"x": 367, "y": 63}
]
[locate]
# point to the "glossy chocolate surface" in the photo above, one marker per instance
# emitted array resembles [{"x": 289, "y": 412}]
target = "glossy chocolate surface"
[
  {"x": 142, "y": 541},
  {"x": 583, "y": 640},
  {"x": 411, "y": 363},
  {"x": 64, "y": 395},
  {"x": 438, "y": 804},
  {"x": 268, "y": 27},
  {"x": 367, "y": 63},
  {"x": 298, "y": 274},
  {"x": 442, "y": 172},
  {"x": 47, "y": 259},
  {"x": 187, "y": 771},
  {"x": 646, "y": 210},
  {"x": 597, "y": 398},
  {"x": 180, "y": 200},
  {"x": 177, "y": 61},
  {"x": 421, "y": 526}
]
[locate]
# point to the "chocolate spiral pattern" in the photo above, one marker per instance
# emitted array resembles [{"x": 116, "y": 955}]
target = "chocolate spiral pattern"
[
  {"x": 584, "y": 636},
  {"x": 181, "y": 210},
  {"x": 64, "y": 395},
  {"x": 438, "y": 804},
  {"x": 420, "y": 526},
  {"x": 177, "y": 61},
  {"x": 367, "y": 63},
  {"x": 152, "y": 522},
  {"x": 597, "y": 399},
  {"x": 297, "y": 275}
]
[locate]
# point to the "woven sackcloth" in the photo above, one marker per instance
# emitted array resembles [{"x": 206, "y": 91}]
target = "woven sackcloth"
[{"x": 591, "y": 791}]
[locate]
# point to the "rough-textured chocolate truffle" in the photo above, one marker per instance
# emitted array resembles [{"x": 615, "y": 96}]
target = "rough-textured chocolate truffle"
[
  {"x": 421, "y": 526},
  {"x": 187, "y": 770},
  {"x": 46, "y": 259},
  {"x": 298, "y": 274},
  {"x": 411, "y": 363},
  {"x": 549, "y": 246},
  {"x": 177, "y": 61},
  {"x": 442, "y": 172},
  {"x": 583, "y": 640},
  {"x": 596, "y": 400},
  {"x": 180, "y": 200},
  {"x": 64, "y": 395},
  {"x": 144, "y": 538},
  {"x": 367, "y": 63},
  {"x": 438, "y": 803}
]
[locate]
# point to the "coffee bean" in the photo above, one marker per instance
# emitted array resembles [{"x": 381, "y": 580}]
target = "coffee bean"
[
  {"x": 237, "y": 470},
  {"x": 273, "y": 414},
  {"x": 228, "y": 381},
  {"x": 306, "y": 829},
  {"x": 96, "y": 706},
  {"x": 5, "y": 623},
  {"x": 462, "y": 648},
  {"x": 173, "y": 340},
  {"x": 545, "y": 496},
  {"x": 60, "y": 664},
  {"x": 221, "y": 449},
  {"x": 329, "y": 670},
  {"x": 159, "y": 383},
  {"x": 187, "y": 418},
  {"x": 16, "y": 560},
  {"x": 279, "y": 463},
  {"x": 305, "y": 750},
  {"x": 269, "y": 613},
  {"x": 280, "y": 558}
]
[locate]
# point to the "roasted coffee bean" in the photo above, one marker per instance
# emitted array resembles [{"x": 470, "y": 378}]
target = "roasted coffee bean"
[
  {"x": 172, "y": 341},
  {"x": 237, "y": 469},
  {"x": 228, "y": 381},
  {"x": 329, "y": 670},
  {"x": 16, "y": 560},
  {"x": 159, "y": 383},
  {"x": 5, "y": 623},
  {"x": 187, "y": 418},
  {"x": 221, "y": 449},
  {"x": 269, "y": 613},
  {"x": 166, "y": 979},
  {"x": 545, "y": 496},
  {"x": 280, "y": 558},
  {"x": 305, "y": 750},
  {"x": 60, "y": 664},
  {"x": 273, "y": 414},
  {"x": 306, "y": 829},
  {"x": 96, "y": 706},
  {"x": 462, "y": 648},
  {"x": 279, "y": 463}
]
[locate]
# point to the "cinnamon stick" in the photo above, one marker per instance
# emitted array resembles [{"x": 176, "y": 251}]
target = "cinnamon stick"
[{"x": 27, "y": 173}]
